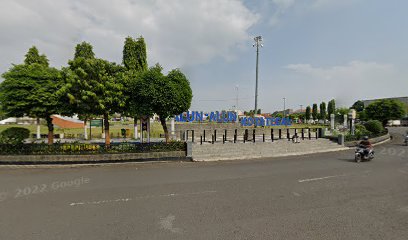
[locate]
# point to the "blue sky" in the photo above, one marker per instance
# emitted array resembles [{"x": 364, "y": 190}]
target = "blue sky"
[{"x": 314, "y": 50}]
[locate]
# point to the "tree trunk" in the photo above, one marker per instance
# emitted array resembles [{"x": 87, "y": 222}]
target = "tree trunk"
[
  {"x": 85, "y": 130},
  {"x": 106, "y": 125},
  {"x": 135, "y": 128},
  {"x": 166, "y": 131},
  {"x": 38, "y": 129},
  {"x": 50, "y": 126}
]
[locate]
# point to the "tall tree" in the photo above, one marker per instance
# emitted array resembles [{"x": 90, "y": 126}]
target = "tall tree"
[
  {"x": 314, "y": 111},
  {"x": 33, "y": 56},
  {"x": 30, "y": 90},
  {"x": 135, "y": 61},
  {"x": 84, "y": 50},
  {"x": 331, "y": 107},
  {"x": 385, "y": 110},
  {"x": 164, "y": 95},
  {"x": 134, "y": 54},
  {"x": 94, "y": 87},
  {"x": 323, "y": 114},
  {"x": 358, "y": 106},
  {"x": 308, "y": 113}
]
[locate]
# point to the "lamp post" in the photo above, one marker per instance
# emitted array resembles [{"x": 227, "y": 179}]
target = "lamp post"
[
  {"x": 257, "y": 44},
  {"x": 284, "y": 107}
]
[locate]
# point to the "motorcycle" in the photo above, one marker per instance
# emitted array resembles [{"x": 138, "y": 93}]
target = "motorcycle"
[{"x": 362, "y": 155}]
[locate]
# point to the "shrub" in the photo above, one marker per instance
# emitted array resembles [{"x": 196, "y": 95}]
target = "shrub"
[
  {"x": 14, "y": 135},
  {"x": 374, "y": 126}
]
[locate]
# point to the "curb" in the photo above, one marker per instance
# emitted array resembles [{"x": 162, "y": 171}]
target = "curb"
[{"x": 278, "y": 155}]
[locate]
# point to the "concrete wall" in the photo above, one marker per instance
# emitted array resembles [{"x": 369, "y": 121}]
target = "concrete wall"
[
  {"x": 70, "y": 159},
  {"x": 249, "y": 150}
]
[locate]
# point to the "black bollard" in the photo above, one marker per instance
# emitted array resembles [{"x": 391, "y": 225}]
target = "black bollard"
[
  {"x": 288, "y": 134},
  {"x": 263, "y": 137},
  {"x": 235, "y": 138},
  {"x": 225, "y": 134},
  {"x": 272, "y": 134},
  {"x": 303, "y": 134},
  {"x": 280, "y": 133},
  {"x": 215, "y": 135},
  {"x": 201, "y": 140},
  {"x": 204, "y": 135},
  {"x": 253, "y": 135},
  {"x": 246, "y": 135},
  {"x": 212, "y": 139},
  {"x": 309, "y": 133},
  {"x": 192, "y": 135}
]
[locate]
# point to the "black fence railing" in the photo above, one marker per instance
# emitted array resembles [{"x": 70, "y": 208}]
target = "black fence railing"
[{"x": 88, "y": 148}]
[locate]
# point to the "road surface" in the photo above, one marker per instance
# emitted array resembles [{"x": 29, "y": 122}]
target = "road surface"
[{"x": 322, "y": 196}]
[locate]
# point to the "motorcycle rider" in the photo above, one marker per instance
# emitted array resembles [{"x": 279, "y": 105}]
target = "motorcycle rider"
[{"x": 366, "y": 145}]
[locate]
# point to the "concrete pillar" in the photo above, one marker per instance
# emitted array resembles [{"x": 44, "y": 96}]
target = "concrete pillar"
[
  {"x": 332, "y": 121},
  {"x": 345, "y": 123},
  {"x": 172, "y": 128}
]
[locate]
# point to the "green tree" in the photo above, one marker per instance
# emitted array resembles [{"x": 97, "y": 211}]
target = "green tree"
[
  {"x": 164, "y": 95},
  {"x": 323, "y": 110},
  {"x": 314, "y": 111},
  {"x": 135, "y": 61},
  {"x": 331, "y": 107},
  {"x": 358, "y": 106},
  {"x": 385, "y": 110},
  {"x": 308, "y": 113},
  {"x": 30, "y": 90},
  {"x": 33, "y": 56},
  {"x": 94, "y": 87},
  {"x": 134, "y": 54},
  {"x": 84, "y": 50}
]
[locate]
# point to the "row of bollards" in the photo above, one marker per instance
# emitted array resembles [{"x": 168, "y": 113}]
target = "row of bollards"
[{"x": 184, "y": 135}]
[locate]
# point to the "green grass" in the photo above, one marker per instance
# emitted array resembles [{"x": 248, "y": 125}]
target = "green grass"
[{"x": 114, "y": 129}]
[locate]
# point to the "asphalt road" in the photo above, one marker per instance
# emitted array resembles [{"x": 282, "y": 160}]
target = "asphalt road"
[{"x": 325, "y": 196}]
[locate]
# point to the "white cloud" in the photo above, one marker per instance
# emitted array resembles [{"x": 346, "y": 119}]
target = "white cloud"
[
  {"x": 355, "y": 80},
  {"x": 178, "y": 32}
]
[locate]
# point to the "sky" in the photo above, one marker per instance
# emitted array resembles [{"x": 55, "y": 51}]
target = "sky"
[{"x": 313, "y": 50}]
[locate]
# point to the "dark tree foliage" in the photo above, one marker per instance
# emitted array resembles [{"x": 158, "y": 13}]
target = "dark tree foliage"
[
  {"x": 314, "y": 111},
  {"x": 308, "y": 113},
  {"x": 385, "y": 110},
  {"x": 323, "y": 114}
]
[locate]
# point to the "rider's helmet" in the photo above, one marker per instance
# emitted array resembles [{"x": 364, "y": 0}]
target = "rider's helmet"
[{"x": 365, "y": 138}]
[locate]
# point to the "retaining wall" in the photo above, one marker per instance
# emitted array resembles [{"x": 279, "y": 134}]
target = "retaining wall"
[
  {"x": 96, "y": 158},
  {"x": 232, "y": 151}
]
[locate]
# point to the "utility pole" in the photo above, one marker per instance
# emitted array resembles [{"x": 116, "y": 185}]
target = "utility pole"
[
  {"x": 236, "y": 100},
  {"x": 257, "y": 44},
  {"x": 284, "y": 107}
]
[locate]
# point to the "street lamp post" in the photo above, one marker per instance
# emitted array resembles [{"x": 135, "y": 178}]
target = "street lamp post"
[
  {"x": 284, "y": 107},
  {"x": 257, "y": 44}
]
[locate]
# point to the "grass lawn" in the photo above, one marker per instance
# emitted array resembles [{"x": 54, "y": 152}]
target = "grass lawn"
[{"x": 115, "y": 130}]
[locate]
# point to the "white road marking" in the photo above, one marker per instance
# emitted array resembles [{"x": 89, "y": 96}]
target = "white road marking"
[
  {"x": 403, "y": 171},
  {"x": 167, "y": 224},
  {"x": 296, "y": 194},
  {"x": 320, "y": 178},
  {"x": 140, "y": 197}
]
